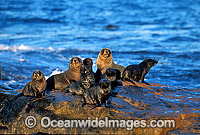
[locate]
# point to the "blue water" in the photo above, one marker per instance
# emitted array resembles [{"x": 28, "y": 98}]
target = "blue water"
[{"x": 46, "y": 34}]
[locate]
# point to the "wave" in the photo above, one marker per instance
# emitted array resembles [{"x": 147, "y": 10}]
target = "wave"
[
  {"x": 24, "y": 48},
  {"x": 66, "y": 50},
  {"x": 63, "y": 50},
  {"x": 15, "y": 48}
]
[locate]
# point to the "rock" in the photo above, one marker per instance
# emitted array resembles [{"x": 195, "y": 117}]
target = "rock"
[{"x": 133, "y": 102}]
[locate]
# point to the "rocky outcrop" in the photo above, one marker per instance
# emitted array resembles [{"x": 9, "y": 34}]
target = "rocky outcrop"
[{"x": 133, "y": 102}]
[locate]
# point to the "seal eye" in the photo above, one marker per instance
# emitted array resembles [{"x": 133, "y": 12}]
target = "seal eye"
[{"x": 150, "y": 64}]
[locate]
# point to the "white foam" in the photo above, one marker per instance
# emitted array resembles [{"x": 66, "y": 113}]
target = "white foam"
[
  {"x": 3, "y": 47},
  {"x": 56, "y": 71},
  {"x": 51, "y": 49},
  {"x": 23, "y": 47},
  {"x": 4, "y": 35},
  {"x": 12, "y": 82},
  {"x": 22, "y": 60},
  {"x": 61, "y": 49},
  {"x": 15, "y": 48}
]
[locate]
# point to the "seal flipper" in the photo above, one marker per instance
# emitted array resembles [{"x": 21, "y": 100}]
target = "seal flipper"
[
  {"x": 142, "y": 77},
  {"x": 146, "y": 83},
  {"x": 130, "y": 81},
  {"x": 95, "y": 106},
  {"x": 106, "y": 105},
  {"x": 113, "y": 94},
  {"x": 83, "y": 104}
]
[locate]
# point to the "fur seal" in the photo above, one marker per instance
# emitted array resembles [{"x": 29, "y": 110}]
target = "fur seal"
[
  {"x": 138, "y": 72},
  {"x": 98, "y": 95},
  {"x": 61, "y": 81},
  {"x": 110, "y": 75},
  {"x": 37, "y": 86},
  {"x": 89, "y": 63},
  {"x": 105, "y": 61},
  {"x": 87, "y": 80}
]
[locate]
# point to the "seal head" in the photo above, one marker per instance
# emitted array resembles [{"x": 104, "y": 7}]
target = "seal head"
[
  {"x": 75, "y": 63},
  {"x": 110, "y": 74}
]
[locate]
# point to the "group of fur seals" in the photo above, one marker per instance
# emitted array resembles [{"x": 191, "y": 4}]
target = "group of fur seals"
[
  {"x": 95, "y": 88},
  {"x": 93, "y": 93},
  {"x": 138, "y": 72},
  {"x": 37, "y": 86}
]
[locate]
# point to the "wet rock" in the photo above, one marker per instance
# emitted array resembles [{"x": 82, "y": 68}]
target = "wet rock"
[{"x": 136, "y": 102}]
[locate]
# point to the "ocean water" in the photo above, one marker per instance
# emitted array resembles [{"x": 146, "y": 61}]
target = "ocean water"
[{"x": 44, "y": 35}]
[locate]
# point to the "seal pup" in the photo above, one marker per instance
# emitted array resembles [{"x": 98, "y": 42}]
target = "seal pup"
[
  {"x": 98, "y": 95},
  {"x": 37, "y": 86},
  {"x": 89, "y": 63},
  {"x": 87, "y": 80},
  {"x": 110, "y": 75},
  {"x": 62, "y": 80},
  {"x": 138, "y": 72},
  {"x": 105, "y": 61}
]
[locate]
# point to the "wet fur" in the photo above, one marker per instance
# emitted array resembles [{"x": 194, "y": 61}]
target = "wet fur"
[
  {"x": 110, "y": 75},
  {"x": 89, "y": 63},
  {"x": 36, "y": 87},
  {"x": 87, "y": 80},
  {"x": 98, "y": 95},
  {"x": 138, "y": 72},
  {"x": 61, "y": 81}
]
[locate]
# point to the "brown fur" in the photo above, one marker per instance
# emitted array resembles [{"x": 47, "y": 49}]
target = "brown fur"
[
  {"x": 61, "y": 81},
  {"x": 105, "y": 61},
  {"x": 37, "y": 86}
]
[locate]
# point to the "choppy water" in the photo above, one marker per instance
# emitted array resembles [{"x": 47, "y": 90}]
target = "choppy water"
[{"x": 45, "y": 34}]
